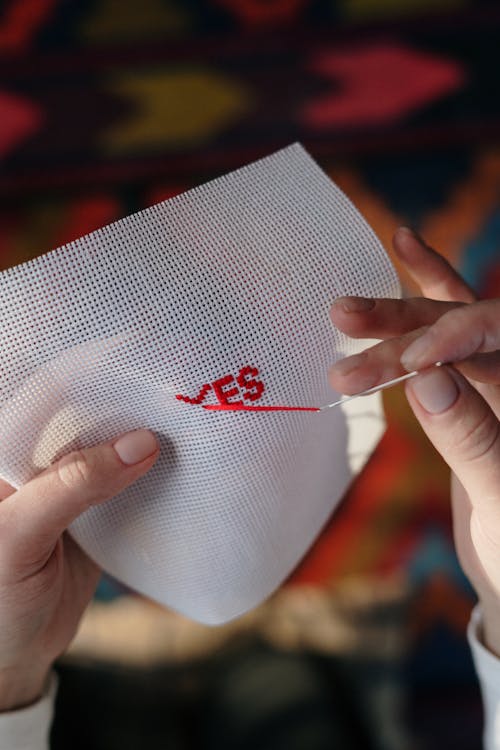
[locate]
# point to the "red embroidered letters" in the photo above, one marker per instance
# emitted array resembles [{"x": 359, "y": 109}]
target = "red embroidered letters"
[{"x": 245, "y": 385}]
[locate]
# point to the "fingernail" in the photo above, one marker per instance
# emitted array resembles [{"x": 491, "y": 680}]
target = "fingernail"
[
  {"x": 347, "y": 365},
  {"x": 355, "y": 304},
  {"x": 135, "y": 446},
  {"x": 435, "y": 390},
  {"x": 416, "y": 355}
]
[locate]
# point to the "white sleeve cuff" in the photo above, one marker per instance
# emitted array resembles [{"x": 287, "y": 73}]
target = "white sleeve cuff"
[
  {"x": 488, "y": 670},
  {"x": 29, "y": 728}
]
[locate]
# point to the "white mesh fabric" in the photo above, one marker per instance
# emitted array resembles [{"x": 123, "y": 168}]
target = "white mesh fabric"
[{"x": 101, "y": 335}]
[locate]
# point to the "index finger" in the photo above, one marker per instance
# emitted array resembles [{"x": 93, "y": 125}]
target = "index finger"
[
  {"x": 458, "y": 334},
  {"x": 385, "y": 318}
]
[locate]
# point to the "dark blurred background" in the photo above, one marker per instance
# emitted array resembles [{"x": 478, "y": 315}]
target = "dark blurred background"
[{"x": 107, "y": 106}]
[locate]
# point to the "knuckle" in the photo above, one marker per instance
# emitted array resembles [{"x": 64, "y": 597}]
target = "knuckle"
[
  {"x": 452, "y": 321},
  {"x": 77, "y": 468},
  {"x": 458, "y": 325},
  {"x": 479, "y": 439}
]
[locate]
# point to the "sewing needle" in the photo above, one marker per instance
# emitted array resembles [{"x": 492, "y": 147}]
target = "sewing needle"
[{"x": 375, "y": 389}]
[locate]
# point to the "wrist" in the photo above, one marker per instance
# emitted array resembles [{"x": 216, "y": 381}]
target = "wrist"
[{"x": 20, "y": 688}]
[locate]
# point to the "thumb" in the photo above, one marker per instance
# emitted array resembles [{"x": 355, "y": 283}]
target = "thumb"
[
  {"x": 462, "y": 427},
  {"x": 34, "y": 517}
]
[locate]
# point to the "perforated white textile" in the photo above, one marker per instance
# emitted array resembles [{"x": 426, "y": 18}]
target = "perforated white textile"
[{"x": 219, "y": 295}]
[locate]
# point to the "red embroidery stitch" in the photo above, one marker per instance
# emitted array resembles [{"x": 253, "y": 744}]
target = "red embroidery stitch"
[
  {"x": 254, "y": 388},
  {"x": 224, "y": 395},
  {"x": 199, "y": 398}
]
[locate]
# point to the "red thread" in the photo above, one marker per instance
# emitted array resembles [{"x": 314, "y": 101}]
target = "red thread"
[
  {"x": 244, "y": 407},
  {"x": 199, "y": 398}
]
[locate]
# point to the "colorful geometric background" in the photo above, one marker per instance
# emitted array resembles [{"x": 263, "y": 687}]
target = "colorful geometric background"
[{"x": 109, "y": 106}]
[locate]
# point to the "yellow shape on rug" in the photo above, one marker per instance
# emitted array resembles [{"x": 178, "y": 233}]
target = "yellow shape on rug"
[
  {"x": 180, "y": 107},
  {"x": 127, "y": 20}
]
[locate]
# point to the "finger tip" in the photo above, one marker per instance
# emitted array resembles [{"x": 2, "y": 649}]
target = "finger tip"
[
  {"x": 352, "y": 375},
  {"x": 338, "y": 381},
  {"x": 338, "y": 314},
  {"x": 402, "y": 232},
  {"x": 408, "y": 231},
  {"x": 336, "y": 305},
  {"x": 406, "y": 241},
  {"x": 337, "y": 385},
  {"x": 352, "y": 315}
]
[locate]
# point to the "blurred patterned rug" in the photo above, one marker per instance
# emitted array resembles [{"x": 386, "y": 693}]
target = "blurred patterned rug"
[{"x": 107, "y": 107}]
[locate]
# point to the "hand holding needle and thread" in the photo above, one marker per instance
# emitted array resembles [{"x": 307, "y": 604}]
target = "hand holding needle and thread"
[
  {"x": 343, "y": 400},
  {"x": 374, "y": 389}
]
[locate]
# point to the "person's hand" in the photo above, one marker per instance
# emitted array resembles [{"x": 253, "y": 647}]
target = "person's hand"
[
  {"x": 458, "y": 406},
  {"x": 46, "y": 580}
]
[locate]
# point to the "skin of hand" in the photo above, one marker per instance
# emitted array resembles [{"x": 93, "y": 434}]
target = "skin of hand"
[
  {"x": 46, "y": 580},
  {"x": 457, "y": 406}
]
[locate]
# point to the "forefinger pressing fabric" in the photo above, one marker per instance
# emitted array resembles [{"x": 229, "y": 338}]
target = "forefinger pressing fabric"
[{"x": 218, "y": 296}]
